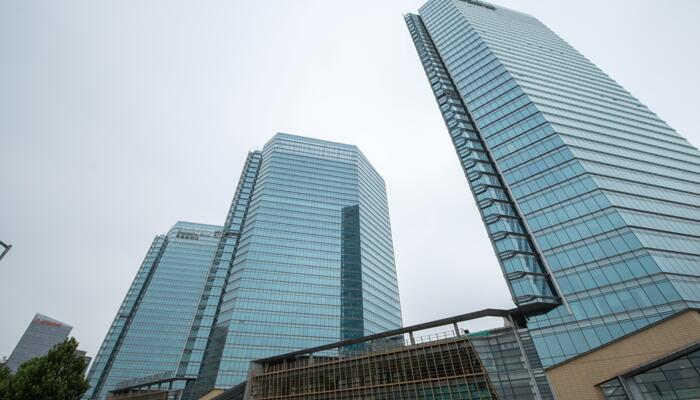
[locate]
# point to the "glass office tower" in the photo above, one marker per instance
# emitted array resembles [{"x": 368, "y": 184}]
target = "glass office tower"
[
  {"x": 42, "y": 334},
  {"x": 591, "y": 201},
  {"x": 220, "y": 269},
  {"x": 149, "y": 334},
  {"x": 314, "y": 263},
  {"x": 305, "y": 257}
]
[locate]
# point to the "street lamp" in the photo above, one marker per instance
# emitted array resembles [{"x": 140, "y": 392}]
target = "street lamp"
[{"x": 5, "y": 249}]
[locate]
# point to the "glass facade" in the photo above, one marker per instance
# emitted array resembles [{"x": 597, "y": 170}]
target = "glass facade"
[
  {"x": 314, "y": 263},
  {"x": 220, "y": 270},
  {"x": 42, "y": 334},
  {"x": 305, "y": 257},
  {"x": 510, "y": 359},
  {"x": 149, "y": 333},
  {"x": 590, "y": 199},
  {"x": 521, "y": 264}
]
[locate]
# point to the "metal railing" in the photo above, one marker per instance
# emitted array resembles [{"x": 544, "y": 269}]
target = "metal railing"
[{"x": 154, "y": 378}]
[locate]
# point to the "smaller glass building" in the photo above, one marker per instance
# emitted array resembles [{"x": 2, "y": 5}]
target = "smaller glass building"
[
  {"x": 41, "y": 335},
  {"x": 149, "y": 334},
  {"x": 305, "y": 258}
]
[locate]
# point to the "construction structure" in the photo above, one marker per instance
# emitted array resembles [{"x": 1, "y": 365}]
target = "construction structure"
[{"x": 400, "y": 364}]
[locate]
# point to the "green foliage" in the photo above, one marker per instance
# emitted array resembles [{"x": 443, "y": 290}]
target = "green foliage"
[
  {"x": 5, "y": 376},
  {"x": 59, "y": 375}
]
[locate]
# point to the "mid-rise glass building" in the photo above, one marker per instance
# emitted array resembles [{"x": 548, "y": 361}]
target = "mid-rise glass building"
[
  {"x": 314, "y": 263},
  {"x": 219, "y": 271},
  {"x": 304, "y": 258},
  {"x": 591, "y": 201},
  {"x": 150, "y": 332},
  {"x": 42, "y": 334}
]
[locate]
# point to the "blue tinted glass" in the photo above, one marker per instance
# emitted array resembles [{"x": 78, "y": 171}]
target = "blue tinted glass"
[
  {"x": 607, "y": 193},
  {"x": 149, "y": 334},
  {"x": 315, "y": 260}
]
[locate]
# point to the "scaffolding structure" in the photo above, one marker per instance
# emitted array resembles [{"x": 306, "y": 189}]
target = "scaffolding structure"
[
  {"x": 393, "y": 365},
  {"x": 444, "y": 369}
]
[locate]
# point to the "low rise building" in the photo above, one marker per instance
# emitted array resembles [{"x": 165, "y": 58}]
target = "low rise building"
[
  {"x": 661, "y": 361},
  {"x": 400, "y": 364}
]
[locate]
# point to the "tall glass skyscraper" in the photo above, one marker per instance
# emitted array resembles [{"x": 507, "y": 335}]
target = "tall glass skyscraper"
[
  {"x": 150, "y": 332},
  {"x": 314, "y": 263},
  {"x": 42, "y": 334},
  {"x": 591, "y": 201},
  {"x": 219, "y": 270},
  {"x": 305, "y": 258}
]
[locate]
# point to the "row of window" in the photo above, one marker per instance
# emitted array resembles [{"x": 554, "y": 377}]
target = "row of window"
[
  {"x": 522, "y": 135},
  {"x": 514, "y": 96},
  {"x": 557, "y": 347},
  {"x": 505, "y": 112},
  {"x": 529, "y": 153},
  {"x": 654, "y": 294},
  {"x": 656, "y": 192},
  {"x": 609, "y": 116},
  {"x": 590, "y": 250},
  {"x": 567, "y": 211},
  {"x": 543, "y": 91},
  {"x": 552, "y": 177},
  {"x": 658, "y": 159},
  {"x": 538, "y": 165},
  {"x": 638, "y": 164},
  {"x": 602, "y": 121},
  {"x": 598, "y": 277},
  {"x": 570, "y": 232},
  {"x": 557, "y": 194},
  {"x": 576, "y": 127},
  {"x": 669, "y": 242},
  {"x": 583, "y": 135},
  {"x": 662, "y": 223}
]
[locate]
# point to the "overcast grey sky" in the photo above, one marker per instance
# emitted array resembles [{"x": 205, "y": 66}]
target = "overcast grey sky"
[{"x": 118, "y": 118}]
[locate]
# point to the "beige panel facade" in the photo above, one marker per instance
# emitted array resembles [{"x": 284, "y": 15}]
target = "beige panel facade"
[
  {"x": 210, "y": 395},
  {"x": 577, "y": 378}
]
